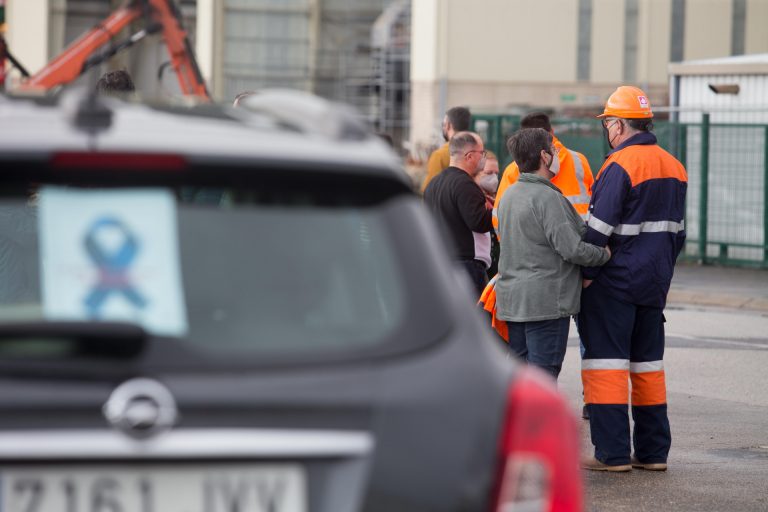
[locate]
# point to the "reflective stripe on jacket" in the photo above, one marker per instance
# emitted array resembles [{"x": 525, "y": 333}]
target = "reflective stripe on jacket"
[
  {"x": 574, "y": 180},
  {"x": 638, "y": 207}
]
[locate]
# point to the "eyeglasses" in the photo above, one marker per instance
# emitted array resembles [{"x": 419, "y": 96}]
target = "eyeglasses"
[
  {"x": 607, "y": 123},
  {"x": 484, "y": 152}
]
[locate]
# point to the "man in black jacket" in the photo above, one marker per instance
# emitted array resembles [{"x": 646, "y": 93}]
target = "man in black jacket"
[{"x": 459, "y": 206}]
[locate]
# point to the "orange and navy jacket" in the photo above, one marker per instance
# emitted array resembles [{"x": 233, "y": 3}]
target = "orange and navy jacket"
[
  {"x": 438, "y": 161},
  {"x": 638, "y": 209},
  {"x": 574, "y": 180}
]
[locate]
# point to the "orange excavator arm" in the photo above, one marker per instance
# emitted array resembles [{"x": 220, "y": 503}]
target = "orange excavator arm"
[{"x": 160, "y": 15}]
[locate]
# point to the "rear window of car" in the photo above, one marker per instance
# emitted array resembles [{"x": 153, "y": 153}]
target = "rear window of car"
[{"x": 224, "y": 270}]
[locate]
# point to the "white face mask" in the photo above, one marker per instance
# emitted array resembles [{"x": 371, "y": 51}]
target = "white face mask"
[
  {"x": 489, "y": 183},
  {"x": 554, "y": 166}
]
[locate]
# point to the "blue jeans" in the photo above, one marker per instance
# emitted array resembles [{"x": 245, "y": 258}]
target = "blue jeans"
[{"x": 541, "y": 343}]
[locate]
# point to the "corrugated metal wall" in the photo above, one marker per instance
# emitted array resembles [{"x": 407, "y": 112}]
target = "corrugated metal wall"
[
  {"x": 321, "y": 46},
  {"x": 695, "y": 93},
  {"x": 738, "y": 147},
  {"x": 265, "y": 44}
]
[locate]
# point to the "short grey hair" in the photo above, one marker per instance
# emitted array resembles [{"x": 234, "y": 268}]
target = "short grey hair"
[{"x": 461, "y": 141}]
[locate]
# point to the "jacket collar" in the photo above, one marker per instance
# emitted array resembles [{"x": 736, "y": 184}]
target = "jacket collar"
[
  {"x": 530, "y": 177},
  {"x": 640, "y": 139}
]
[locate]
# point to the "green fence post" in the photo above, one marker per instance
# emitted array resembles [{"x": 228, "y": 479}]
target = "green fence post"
[
  {"x": 682, "y": 155},
  {"x": 765, "y": 198},
  {"x": 683, "y": 145},
  {"x": 704, "y": 189},
  {"x": 499, "y": 136}
]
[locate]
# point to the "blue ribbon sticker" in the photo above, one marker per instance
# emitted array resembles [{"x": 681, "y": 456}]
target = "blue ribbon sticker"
[{"x": 112, "y": 266}]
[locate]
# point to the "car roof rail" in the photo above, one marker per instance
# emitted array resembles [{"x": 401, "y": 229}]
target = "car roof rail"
[{"x": 307, "y": 113}]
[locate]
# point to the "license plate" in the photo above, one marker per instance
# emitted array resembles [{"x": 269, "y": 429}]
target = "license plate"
[{"x": 215, "y": 488}]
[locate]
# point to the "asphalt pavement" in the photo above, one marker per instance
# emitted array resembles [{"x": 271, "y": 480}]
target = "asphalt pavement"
[
  {"x": 721, "y": 287},
  {"x": 716, "y": 362}
]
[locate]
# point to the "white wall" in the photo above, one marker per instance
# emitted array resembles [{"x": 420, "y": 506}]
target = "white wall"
[
  {"x": 28, "y": 32},
  {"x": 204, "y": 39},
  {"x": 654, "y": 38},
  {"x": 512, "y": 40},
  {"x": 751, "y": 104},
  {"x": 708, "y": 29},
  {"x": 756, "y": 37},
  {"x": 607, "y": 56},
  {"x": 424, "y": 40}
]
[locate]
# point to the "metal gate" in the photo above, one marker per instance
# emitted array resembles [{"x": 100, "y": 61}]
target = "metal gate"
[{"x": 726, "y": 155}]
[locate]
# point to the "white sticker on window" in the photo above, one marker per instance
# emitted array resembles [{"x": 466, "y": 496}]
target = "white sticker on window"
[{"x": 112, "y": 255}]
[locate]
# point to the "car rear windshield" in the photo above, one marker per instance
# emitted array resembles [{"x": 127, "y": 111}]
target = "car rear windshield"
[{"x": 222, "y": 269}]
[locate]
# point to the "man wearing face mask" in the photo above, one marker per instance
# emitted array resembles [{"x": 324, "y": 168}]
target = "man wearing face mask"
[
  {"x": 637, "y": 209},
  {"x": 572, "y": 172},
  {"x": 539, "y": 283},
  {"x": 460, "y": 208}
]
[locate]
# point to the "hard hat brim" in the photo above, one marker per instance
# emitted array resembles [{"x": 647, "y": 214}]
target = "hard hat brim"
[{"x": 626, "y": 114}]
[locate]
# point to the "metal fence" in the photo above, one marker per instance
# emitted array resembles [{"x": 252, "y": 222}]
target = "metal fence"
[{"x": 726, "y": 155}]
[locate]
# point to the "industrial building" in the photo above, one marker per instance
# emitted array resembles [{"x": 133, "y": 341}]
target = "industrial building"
[{"x": 401, "y": 63}]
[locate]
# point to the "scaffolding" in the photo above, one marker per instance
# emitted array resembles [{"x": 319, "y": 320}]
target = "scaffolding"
[
  {"x": 352, "y": 51},
  {"x": 391, "y": 42}
]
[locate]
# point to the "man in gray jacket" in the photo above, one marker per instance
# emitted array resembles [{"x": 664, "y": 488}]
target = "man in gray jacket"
[{"x": 539, "y": 285}]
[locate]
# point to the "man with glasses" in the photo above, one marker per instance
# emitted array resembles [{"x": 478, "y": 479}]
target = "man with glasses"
[
  {"x": 459, "y": 206},
  {"x": 637, "y": 209}
]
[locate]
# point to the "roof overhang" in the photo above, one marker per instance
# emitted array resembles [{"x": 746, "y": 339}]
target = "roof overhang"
[{"x": 741, "y": 65}]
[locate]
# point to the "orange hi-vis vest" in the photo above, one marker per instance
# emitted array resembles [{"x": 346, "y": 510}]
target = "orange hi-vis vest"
[{"x": 574, "y": 180}]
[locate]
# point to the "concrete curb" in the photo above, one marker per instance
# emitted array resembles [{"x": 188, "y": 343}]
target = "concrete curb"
[{"x": 699, "y": 298}]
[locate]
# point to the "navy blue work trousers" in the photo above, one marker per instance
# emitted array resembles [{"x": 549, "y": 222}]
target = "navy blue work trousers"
[{"x": 623, "y": 342}]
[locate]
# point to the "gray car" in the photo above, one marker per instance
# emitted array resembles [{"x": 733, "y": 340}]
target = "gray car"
[{"x": 247, "y": 310}]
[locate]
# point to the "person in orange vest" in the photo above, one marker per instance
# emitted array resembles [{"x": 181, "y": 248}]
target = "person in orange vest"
[
  {"x": 637, "y": 209},
  {"x": 457, "y": 119},
  {"x": 574, "y": 177}
]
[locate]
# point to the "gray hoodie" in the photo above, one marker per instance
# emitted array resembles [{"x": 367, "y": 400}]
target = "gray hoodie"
[{"x": 541, "y": 251}]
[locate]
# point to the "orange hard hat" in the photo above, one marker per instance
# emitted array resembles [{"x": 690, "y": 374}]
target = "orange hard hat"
[{"x": 628, "y": 102}]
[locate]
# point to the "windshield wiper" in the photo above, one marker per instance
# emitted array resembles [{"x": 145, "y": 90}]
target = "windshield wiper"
[{"x": 53, "y": 340}]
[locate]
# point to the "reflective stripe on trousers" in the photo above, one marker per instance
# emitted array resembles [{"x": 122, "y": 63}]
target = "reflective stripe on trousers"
[
  {"x": 606, "y": 381},
  {"x": 623, "y": 342}
]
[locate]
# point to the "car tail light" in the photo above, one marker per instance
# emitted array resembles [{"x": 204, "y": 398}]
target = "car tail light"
[
  {"x": 137, "y": 161},
  {"x": 539, "y": 450}
]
